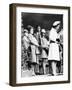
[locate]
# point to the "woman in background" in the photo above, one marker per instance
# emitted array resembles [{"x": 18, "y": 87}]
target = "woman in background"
[
  {"x": 37, "y": 35},
  {"x": 25, "y": 46},
  {"x": 34, "y": 45}
]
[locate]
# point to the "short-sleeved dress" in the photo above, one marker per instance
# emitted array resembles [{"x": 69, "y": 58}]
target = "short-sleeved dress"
[{"x": 54, "y": 47}]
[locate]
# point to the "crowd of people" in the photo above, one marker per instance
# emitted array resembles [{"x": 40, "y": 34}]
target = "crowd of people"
[{"x": 41, "y": 52}]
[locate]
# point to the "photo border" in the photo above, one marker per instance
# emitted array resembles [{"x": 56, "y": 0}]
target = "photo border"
[{"x": 12, "y": 48}]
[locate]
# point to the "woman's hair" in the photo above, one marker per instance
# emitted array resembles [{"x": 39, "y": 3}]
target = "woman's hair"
[{"x": 29, "y": 28}]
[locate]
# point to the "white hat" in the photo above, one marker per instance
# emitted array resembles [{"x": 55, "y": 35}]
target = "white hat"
[
  {"x": 56, "y": 23},
  {"x": 43, "y": 30}
]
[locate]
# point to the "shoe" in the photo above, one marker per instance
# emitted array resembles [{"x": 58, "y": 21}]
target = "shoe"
[
  {"x": 38, "y": 73},
  {"x": 55, "y": 74},
  {"x": 33, "y": 74}
]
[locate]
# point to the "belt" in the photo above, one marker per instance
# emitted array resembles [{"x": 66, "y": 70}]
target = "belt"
[{"x": 51, "y": 41}]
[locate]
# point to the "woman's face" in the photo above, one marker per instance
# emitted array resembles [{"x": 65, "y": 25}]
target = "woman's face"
[
  {"x": 39, "y": 28},
  {"x": 31, "y": 30},
  {"x": 57, "y": 28},
  {"x": 26, "y": 33}
]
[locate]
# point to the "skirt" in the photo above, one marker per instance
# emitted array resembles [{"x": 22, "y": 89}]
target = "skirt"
[
  {"x": 44, "y": 54},
  {"x": 54, "y": 52}
]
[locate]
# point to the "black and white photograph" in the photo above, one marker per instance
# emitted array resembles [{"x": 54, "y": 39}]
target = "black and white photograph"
[{"x": 41, "y": 44}]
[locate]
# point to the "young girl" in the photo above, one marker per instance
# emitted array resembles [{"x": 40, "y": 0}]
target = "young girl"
[{"x": 44, "y": 45}]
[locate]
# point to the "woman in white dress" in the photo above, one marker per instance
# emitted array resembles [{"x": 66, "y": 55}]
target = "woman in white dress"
[
  {"x": 44, "y": 54},
  {"x": 54, "y": 47}
]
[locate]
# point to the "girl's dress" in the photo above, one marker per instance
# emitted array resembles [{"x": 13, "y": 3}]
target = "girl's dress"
[{"x": 44, "y": 45}]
